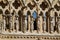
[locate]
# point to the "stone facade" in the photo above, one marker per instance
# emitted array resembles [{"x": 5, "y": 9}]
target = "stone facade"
[{"x": 29, "y": 19}]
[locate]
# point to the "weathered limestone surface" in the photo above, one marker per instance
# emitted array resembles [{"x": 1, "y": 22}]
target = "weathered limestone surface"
[{"x": 29, "y": 20}]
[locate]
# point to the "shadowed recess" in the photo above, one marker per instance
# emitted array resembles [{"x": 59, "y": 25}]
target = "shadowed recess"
[
  {"x": 7, "y": 12},
  {"x": 16, "y": 4},
  {"x": 3, "y": 5},
  {"x": 31, "y": 6},
  {"x": 57, "y": 7},
  {"x": 44, "y": 5},
  {"x": 1, "y": 11}
]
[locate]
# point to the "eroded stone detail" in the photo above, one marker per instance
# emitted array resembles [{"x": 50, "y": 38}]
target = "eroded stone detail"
[{"x": 17, "y": 18}]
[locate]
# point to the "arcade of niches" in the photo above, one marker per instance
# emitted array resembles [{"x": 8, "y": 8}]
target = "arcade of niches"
[{"x": 29, "y": 19}]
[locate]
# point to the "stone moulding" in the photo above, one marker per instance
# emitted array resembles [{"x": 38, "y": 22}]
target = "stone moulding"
[{"x": 30, "y": 36}]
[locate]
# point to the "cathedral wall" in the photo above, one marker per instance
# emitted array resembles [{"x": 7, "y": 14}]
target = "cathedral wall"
[{"x": 17, "y": 17}]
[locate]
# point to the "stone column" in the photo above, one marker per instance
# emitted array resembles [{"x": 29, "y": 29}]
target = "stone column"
[
  {"x": 44, "y": 22},
  {"x": 52, "y": 24},
  {"x": 4, "y": 23},
  {"x": 25, "y": 23},
  {"x": 38, "y": 25},
  {"x": 28, "y": 23},
  {"x": 17, "y": 23},
  {"x": 44, "y": 27},
  {"x": 52, "y": 21},
  {"x": 13, "y": 21},
  {"x": 10, "y": 21},
  {"x": 32, "y": 24},
  {"x": 41, "y": 24}
]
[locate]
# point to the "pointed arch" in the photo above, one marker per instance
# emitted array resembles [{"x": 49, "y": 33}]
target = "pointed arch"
[{"x": 20, "y": 13}]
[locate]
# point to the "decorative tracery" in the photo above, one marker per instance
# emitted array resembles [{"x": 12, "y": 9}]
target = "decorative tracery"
[{"x": 33, "y": 17}]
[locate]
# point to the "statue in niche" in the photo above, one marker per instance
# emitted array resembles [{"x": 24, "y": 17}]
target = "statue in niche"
[
  {"x": 52, "y": 24},
  {"x": 32, "y": 26},
  {"x": 17, "y": 23},
  {"x": 38, "y": 28},
  {"x": 25, "y": 23}
]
